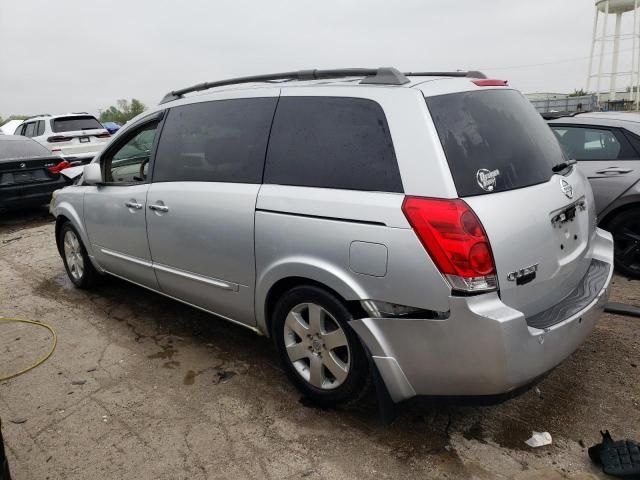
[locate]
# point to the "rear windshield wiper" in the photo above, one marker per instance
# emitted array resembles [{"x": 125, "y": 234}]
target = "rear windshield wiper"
[{"x": 562, "y": 165}]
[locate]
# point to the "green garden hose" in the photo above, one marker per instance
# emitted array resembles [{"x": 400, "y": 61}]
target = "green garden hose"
[{"x": 43, "y": 359}]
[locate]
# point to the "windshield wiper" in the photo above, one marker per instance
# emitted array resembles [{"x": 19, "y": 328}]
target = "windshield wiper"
[{"x": 562, "y": 165}]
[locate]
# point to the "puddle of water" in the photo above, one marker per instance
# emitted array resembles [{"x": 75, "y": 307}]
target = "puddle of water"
[
  {"x": 190, "y": 378},
  {"x": 166, "y": 353}
]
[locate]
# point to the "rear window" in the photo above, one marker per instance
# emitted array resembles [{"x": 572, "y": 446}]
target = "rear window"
[
  {"x": 12, "y": 147},
  {"x": 73, "y": 124},
  {"x": 494, "y": 141},
  {"x": 332, "y": 142}
]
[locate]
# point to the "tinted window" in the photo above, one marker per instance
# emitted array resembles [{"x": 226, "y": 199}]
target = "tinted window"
[
  {"x": 221, "y": 141},
  {"x": 332, "y": 142},
  {"x": 129, "y": 163},
  {"x": 18, "y": 147},
  {"x": 494, "y": 140},
  {"x": 30, "y": 129},
  {"x": 584, "y": 143},
  {"x": 40, "y": 128},
  {"x": 72, "y": 124}
]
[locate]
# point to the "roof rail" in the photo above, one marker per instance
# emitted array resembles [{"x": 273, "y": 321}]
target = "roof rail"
[
  {"x": 38, "y": 115},
  {"x": 457, "y": 73},
  {"x": 373, "y": 76},
  {"x": 386, "y": 75},
  {"x": 555, "y": 115}
]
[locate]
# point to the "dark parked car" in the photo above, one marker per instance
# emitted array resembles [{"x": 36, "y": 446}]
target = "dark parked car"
[
  {"x": 29, "y": 173},
  {"x": 607, "y": 148}
]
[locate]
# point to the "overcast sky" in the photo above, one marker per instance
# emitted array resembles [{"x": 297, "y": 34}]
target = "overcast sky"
[{"x": 78, "y": 55}]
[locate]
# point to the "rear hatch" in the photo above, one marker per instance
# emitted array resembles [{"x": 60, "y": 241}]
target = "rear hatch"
[
  {"x": 77, "y": 135},
  {"x": 540, "y": 224},
  {"x": 25, "y": 162}
]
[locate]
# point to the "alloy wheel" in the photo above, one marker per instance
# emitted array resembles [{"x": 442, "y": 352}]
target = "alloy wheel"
[
  {"x": 627, "y": 246},
  {"x": 317, "y": 346},
  {"x": 73, "y": 255}
]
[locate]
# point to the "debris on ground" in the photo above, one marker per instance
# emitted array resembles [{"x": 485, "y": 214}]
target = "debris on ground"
[
  {"x": 539, "y": 439},
  {"x": 78, "y": 382},
  {"x": 18, "y": 420},
  {"x": 619, "y": 458}
]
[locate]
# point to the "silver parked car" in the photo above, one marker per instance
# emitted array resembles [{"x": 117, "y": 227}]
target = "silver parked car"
[
  {"x": 420, "y": 229},
  {"x": 607, "y": 148}
]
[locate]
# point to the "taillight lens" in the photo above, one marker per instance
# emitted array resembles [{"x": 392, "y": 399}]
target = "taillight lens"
[
  {"x": 456, "y": 241},
  {"x": 56, "y": 169},
  {"x": 103, "y": 135}
]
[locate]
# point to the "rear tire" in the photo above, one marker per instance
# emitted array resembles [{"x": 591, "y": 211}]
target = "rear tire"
[
  {"x": 76, "y": 261},
  {"x": 320, "y": 352},
  {"x": 625, "y": 228}
]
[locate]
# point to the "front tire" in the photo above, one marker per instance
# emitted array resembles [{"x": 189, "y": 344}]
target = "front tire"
[
  {"x": 318, "y": 349},
  {"x": 76, "y": 261},
  {"x": 625, "y": 228}
]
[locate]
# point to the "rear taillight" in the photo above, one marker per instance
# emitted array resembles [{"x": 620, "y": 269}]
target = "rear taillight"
[
  {"x": 103, "y": 135},
  {"x": 56, "y": 169},
  {"x": 58, "y": 138},
  {"x": 456, "y": 241}
]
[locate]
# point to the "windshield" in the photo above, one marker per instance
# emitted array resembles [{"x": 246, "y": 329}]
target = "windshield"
[
  {"x": 72, "y": 124},
  {"x": 494, "y": 140}
]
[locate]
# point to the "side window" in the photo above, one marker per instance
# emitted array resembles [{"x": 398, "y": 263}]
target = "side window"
[
  {"x": 129, "y": 162},
  {"x": 219, "y": 141},
  {"x": 584, "y": 143},
  {"x": 19, "y": 130},
  {"x": 30, "y": 129},
  {"x": 332, "y": 142},
  {"x": 40, "y": 128}
]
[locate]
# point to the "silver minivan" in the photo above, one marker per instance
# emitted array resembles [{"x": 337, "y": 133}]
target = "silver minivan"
[{"x": 423, "y": 230}]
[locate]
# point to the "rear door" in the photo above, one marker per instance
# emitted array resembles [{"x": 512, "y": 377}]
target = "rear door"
[
  {"x": 606, "y": 157},
  {"x": 114, "y": 212},
  {"x": 501, "y": 153},
  {"x": 201, "y": 204}
]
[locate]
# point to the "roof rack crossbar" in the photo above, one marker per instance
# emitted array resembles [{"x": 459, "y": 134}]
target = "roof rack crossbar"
[{"x": 383, "y": 75}]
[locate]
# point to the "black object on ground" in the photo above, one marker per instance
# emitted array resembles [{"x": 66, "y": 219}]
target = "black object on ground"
[
  {"x": 622, "y": 309},
  {"x": 4, "y": 463},
  {"x": 620, "y": 458}
]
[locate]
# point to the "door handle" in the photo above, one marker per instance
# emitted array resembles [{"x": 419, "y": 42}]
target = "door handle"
[
  {"x": 133, "y": 204},
  {"x": 159, "y": 208},
  {"x": 614, "y": 171}
]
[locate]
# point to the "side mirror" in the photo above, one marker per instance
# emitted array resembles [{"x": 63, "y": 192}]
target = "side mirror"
[{"x": 92, "y": 174}]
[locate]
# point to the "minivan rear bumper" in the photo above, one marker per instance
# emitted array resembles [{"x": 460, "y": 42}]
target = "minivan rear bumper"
[{"x": 484, "y": 347}]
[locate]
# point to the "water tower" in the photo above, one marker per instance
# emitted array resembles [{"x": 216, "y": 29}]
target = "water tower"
[{"x": 603, "y": 40}]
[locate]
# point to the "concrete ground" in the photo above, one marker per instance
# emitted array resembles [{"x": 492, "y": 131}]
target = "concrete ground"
[{"x": 143, "y": 387}]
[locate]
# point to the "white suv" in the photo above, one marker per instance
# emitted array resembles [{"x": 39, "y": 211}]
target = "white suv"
[{"x": 73, "y": 136}]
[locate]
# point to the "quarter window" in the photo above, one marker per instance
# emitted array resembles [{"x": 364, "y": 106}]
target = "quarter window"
[
  {"x": 40, "y": 128},
  {"x": 582, "y": 143},
  {"x": 219, "y": 141},
  {"x": 129, "y": 163},
  {"x": 332, "y": 142}
]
